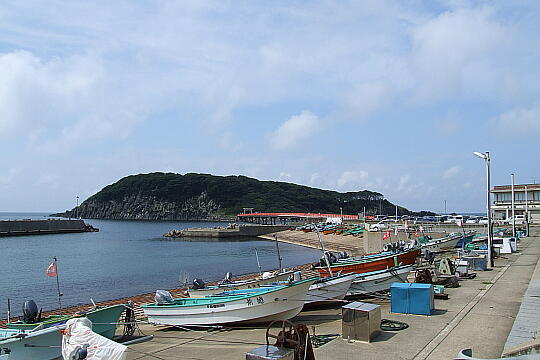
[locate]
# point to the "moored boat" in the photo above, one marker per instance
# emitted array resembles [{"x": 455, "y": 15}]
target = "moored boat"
[
  {"x": 239, "y": 285},
  {"x": 380, "y": 280},
  {"x": 38, "y": 337},
  {"x": 450, "y": 241},
  {"x": 104, "y": 319},
  {"x": 328, "y": 289},
  {"x": 41, "y": 344},
  {"x": 280, "y": 302},
  {"x": 370, "y": 263}
]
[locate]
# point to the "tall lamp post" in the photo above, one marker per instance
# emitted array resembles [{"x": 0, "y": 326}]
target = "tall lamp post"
[
  {"x": 488, "y": 198},
  {"x": 513, "y": 208},
  {"x": 77, "y": 209}
]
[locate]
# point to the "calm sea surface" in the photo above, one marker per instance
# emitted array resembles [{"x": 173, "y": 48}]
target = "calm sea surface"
[{"x": 124, "y": 258}]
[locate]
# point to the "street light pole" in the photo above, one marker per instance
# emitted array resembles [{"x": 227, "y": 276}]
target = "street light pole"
[
  {"x": 488, "y": 198},
  {"x": 513, "y": 207},
  {"x": 526, "y": 211},
  {"x": 77, "y": 209}
]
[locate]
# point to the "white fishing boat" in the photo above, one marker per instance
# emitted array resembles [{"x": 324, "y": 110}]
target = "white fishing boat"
[
  {"x": 31, "y": 345},
  {"x": 380, "y": 280},
  {"x": 448, "y": 242},
  {"x": 330, "y": 288},
  {"x": 260, "y": 305},
  {"x": 240, "y": 285}
]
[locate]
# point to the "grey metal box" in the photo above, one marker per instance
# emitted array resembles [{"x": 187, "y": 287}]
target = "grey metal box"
[
  {"x": 270, "y": 352},
  {"x": 361, "y": 321}
]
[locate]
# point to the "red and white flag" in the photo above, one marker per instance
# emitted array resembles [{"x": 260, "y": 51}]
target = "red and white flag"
[
  {"x": 416, "y": 233},
  {"x": 51, "y": 270},
  {"x": 386, "y": 235}
]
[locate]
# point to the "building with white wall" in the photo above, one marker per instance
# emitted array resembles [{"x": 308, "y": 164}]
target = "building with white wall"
[{"x": 526, "y": 198}]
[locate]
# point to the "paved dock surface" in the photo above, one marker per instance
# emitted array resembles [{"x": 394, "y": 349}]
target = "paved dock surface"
[
  {"x": 353, "y": 245},
  {"x": 480, "y": 315}
]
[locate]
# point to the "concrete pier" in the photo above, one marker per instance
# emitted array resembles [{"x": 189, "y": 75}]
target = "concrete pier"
[{"x": 227, "y": 232}]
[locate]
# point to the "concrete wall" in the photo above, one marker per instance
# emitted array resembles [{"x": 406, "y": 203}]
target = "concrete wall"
[
  {"x": 242, "y": 230},
  {"x": 23, "y": 227}
]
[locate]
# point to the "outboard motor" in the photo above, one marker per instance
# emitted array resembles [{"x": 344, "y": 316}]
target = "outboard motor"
[
  {"x": 81, "y": 353},
  {"x": 163, "y": 297},
  {"x": 30, "y": 311},
  {"x": 198, "y": 284},
  {"x": 228, "y": 278}
]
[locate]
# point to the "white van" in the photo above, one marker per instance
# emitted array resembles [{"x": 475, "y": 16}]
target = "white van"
[
  {"x": 520, "y": 220},
  {"x": 454, "y": 219}
]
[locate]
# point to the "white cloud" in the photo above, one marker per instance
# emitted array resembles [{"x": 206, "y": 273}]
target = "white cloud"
[
  {"x": 8, "y": 177},
  {"x": 60, "y": 103},
  {"x": 451, "y": 172},
  {"x": 521, "y": 121},
  {"x": 448, "y": 125},
  {"x": 444, "y": 47},
  {"x": 285, "y": 175},
  {"x": 352, "y": 179},
  {"x": 404, "y": 181},
  {"x": 295, "y": 130}
]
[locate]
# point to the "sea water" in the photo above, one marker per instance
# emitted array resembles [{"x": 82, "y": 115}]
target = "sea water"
[{"x": 125, "y": 258}]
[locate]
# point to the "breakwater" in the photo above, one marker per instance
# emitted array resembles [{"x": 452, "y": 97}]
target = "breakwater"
[
  {"x": 231, "y": 231},
  {"x": 38, "y": 227}
]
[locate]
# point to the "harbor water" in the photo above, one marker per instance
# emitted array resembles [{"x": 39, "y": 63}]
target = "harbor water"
[{"x": 125, "y": 258}]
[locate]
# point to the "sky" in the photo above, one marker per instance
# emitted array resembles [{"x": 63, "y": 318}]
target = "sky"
[{"x": 389, "y": 96}]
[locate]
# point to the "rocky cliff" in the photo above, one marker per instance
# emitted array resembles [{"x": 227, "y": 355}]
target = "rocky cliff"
[{"x": 145, "y": 207}]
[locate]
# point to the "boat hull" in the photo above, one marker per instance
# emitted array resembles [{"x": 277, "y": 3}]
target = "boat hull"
[
  {"x": 250, "y": 284},
  {"x": 260, "y": 307},
  {"x": 103, "y": 321},
  {"x": 35, "y": 345},
  {"x": 333, "y": 289},
  {"x": 378, "y": 281},
  {"x": 371, "y": 264}
]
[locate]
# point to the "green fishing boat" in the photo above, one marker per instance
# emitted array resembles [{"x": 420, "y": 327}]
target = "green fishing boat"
[{"x": 104, "y": 319}]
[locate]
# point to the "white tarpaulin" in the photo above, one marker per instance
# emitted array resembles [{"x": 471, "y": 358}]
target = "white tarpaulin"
[{"x": 79, "y": 334}]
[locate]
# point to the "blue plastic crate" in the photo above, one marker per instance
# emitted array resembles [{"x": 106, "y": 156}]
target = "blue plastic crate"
[
  {"x": 399, "y": 298},
  {"x": 421, "y": 299}
]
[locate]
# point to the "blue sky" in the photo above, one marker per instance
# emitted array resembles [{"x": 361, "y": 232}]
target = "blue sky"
[{"x": 390, "y": 96}]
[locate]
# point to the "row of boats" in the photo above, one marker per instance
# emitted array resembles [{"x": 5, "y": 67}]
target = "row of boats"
[
  {"x": 338, "y": 229},
  {"x": 282, "y": 295}
]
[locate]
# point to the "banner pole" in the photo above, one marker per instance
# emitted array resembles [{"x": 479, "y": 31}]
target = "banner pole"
[{"x": 58, "y": 286}]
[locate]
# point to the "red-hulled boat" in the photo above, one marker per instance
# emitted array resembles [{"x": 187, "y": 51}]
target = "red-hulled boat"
[{"x": 371, "y": 263}]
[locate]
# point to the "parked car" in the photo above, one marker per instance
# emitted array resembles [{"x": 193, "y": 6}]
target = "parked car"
[
  {"x": 472, "y": 220},
  {"x": 483, "y": 220},
  {"x": 520, "y": 220},
  {"x": 378, "y": 226}
]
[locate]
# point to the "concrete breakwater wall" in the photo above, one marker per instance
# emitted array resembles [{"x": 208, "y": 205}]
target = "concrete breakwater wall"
[
  {"x": 230, "y": 231},
  {"x": 35, "y": 227}
]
